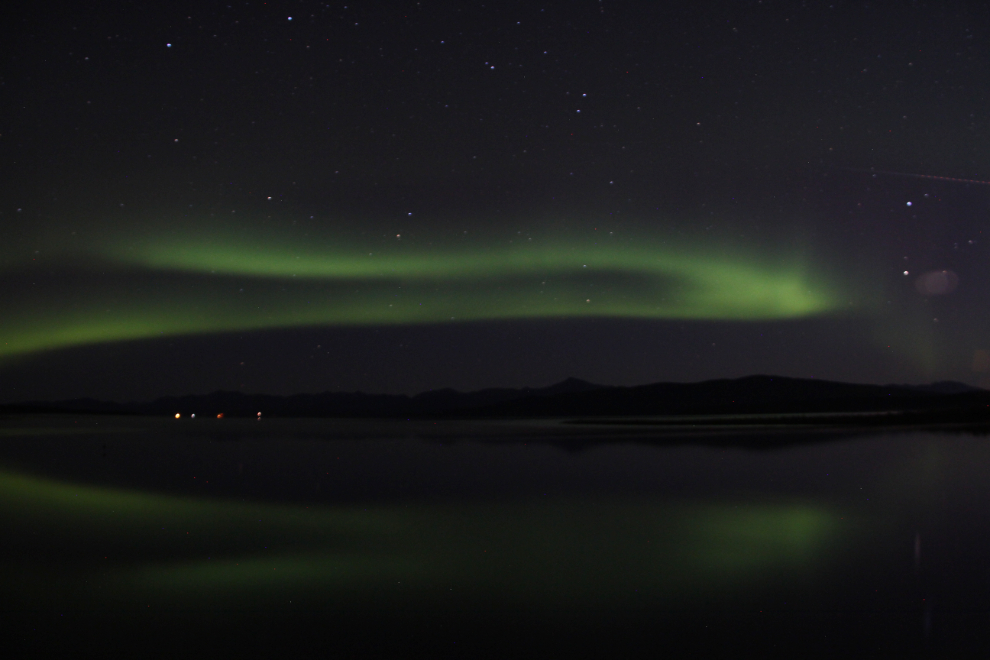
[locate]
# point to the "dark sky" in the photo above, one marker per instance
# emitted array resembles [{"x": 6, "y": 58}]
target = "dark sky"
[{"x": 390, "y": 197}]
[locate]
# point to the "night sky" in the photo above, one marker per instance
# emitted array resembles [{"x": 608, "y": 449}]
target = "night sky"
[{"x": 392, "y": 197}]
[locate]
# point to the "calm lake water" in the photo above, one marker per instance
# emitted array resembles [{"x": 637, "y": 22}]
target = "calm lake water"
[{"x": 396, "y": 538}]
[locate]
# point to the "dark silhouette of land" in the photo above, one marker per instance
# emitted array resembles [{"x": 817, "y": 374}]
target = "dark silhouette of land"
[{"x": 749, "y": 400}]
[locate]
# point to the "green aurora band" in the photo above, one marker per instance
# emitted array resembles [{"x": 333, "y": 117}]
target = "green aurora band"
[{"x": 194, "y": 282}]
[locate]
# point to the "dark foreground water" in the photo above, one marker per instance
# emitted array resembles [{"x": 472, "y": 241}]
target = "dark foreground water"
[{"x": 316, "y": 538}]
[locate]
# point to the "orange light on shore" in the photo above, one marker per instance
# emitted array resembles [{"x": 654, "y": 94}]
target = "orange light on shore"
[
  {"x": 178, "y": 415},
  {"x": 220, "y": 416}
]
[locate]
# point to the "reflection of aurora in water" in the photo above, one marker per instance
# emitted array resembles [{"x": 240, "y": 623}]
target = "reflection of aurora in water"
[
  {"x": 132, "y": 546},
  {"x": 492, "y": 528},
  {"x": 202, "y": 283}
]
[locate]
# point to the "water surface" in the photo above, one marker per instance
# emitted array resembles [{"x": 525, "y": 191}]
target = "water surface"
[{"x": 490, "y": 537}]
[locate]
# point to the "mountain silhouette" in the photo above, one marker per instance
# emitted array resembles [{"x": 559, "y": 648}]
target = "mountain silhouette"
[{"x": 751, "y": 395}]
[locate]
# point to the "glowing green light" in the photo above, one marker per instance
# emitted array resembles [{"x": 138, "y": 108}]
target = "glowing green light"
[
  {"x": 229, "y": 281},
  {"x": 200, "y": 552}
]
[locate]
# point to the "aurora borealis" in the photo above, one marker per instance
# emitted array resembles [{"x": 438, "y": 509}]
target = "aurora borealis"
[
  {"x": 477, "y": 210},
  {"x": 534, "y": 192},
  {"x": 220, "y": 282}
]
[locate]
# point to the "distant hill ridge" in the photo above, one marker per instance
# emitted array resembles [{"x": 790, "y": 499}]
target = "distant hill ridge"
[{"x": 758, "y": 394}]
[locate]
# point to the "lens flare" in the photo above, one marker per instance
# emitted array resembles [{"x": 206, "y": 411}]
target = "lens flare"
[{"x": 937, "y": 283}]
